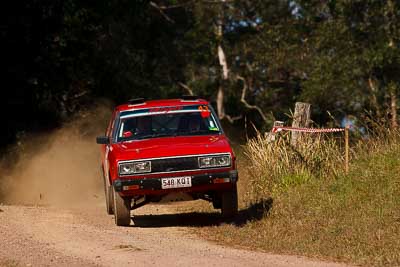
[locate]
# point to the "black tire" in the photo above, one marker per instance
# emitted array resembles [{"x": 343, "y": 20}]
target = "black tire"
[
  {"x": 122, "y": 209},
  {"x": 109, "y": 197},
  {"x": 216, "y": 201},
  {"x": 229, "y": 203}
]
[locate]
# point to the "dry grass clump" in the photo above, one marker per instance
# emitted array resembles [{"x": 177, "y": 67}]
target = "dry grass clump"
[
  {"x": 278, "y": 164},
  {"x": 377, "y": 142},
  {"x": 318, "y": 210}
]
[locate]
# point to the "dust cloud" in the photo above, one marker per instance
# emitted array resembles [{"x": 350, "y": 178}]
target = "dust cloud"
[{"x": 61, "y": 168}]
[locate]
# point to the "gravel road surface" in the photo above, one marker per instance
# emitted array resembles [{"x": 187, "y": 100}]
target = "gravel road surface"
[{"x": 48, "y": 236}]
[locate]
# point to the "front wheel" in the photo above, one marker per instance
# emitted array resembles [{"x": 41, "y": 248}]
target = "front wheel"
[
  {"x": 122, "y": 209},
  {"x": 229, "y": 203}
]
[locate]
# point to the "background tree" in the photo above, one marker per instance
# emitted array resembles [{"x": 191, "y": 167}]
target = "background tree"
[{"x": 252, "y": 58}]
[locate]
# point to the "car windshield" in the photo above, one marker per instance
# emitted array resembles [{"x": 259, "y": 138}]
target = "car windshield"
[{"x": 167, "y": 124}]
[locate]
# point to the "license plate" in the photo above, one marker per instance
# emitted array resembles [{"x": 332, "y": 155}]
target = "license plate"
[{"x": 176, "y": 182}]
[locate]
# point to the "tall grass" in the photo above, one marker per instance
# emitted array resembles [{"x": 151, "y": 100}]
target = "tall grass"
[
  {"x": 378, "y": 142},
  {"x": 277, "y": 164},
  {"x": 318, "y": 210}
]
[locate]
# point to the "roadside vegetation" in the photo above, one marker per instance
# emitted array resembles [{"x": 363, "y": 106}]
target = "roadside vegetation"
[{"x": 306, "y": 204}]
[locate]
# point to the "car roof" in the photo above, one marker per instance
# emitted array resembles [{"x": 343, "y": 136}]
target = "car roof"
[{"x": 161, "y": 103}]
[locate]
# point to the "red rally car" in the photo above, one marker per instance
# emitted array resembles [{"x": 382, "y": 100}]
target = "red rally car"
[{"x": 156, "y": 149}]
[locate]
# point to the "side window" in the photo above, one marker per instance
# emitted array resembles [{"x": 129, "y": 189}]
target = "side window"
[{"x": 214, "y": 123}]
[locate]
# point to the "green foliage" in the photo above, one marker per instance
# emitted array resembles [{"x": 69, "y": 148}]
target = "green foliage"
[
  {"x": 353, "y": 42},
  {"x": 58, "y": 55},
  {"x": 342, "y": 56}
]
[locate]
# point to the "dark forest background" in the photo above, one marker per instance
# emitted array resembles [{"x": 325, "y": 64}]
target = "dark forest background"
[{"x": 253, "y": 59}]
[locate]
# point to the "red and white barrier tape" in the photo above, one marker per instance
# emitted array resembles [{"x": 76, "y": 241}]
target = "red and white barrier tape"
[{"x": 276, "y": 129}]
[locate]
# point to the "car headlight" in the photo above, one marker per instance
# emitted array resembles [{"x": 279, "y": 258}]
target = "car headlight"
[
  {"x": 134, "y": 167},
  {"x": 215, "y": 161}
]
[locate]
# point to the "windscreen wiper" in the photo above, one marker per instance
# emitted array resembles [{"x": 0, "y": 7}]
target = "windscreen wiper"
[
  {"x": 153, "y": 135},
  {"x": 198, "y": 132}
]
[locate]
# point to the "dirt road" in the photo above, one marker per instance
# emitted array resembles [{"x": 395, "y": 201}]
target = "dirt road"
[{"x": 45, "y": 236}]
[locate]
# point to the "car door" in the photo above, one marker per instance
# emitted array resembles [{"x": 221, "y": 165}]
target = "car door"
[{"x": 105, "y": 149}]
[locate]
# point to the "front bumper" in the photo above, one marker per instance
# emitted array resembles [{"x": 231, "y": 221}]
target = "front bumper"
[{"x": 155, "y": 183}]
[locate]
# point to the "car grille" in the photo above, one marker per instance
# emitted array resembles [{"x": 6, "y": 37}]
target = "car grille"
[{"x": 174, "y": 164}]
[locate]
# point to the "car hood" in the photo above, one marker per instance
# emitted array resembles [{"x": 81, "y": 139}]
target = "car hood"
[{"x": 171, "y": 146}]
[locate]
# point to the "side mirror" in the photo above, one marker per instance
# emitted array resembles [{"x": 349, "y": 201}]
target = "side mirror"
[{"x": 102, "y": 140}]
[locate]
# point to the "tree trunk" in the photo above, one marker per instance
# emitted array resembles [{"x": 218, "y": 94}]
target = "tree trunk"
[
  {"x": 301, "y": 118},
  {"x": 224, "y": 66},
  {"x": 222, "y": 61},
  {"x": 224, "y": 78},
  {"x": 393, "y": 107},
  {"x": 374, "y": 100},
  {"x": 220, "y": 102}
]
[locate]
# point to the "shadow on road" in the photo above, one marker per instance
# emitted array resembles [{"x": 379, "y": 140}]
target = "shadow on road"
[{"x": 255, "y": 211}]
